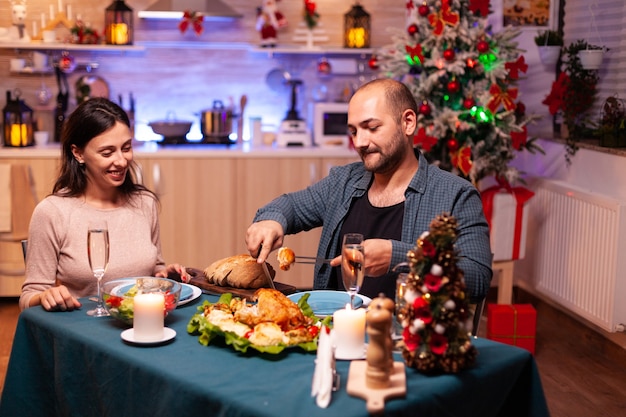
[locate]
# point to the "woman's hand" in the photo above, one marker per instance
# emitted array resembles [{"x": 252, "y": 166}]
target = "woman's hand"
[
  {"x": 176, "y": 272},
  {"x": 56, "y": 299}
]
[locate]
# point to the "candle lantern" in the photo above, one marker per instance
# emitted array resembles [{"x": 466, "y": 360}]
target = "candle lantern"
[
  {"x": 356, "y": 28},
  {"x": 18, "y": 122},
  {"x": 118, "y": 24}
]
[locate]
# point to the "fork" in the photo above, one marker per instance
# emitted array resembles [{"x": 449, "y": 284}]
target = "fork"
[{"x": 311, "y": 260}]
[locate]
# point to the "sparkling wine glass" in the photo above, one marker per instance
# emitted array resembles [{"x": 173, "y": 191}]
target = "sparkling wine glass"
[
  {"x": 98, "y": 252},
  {"x": 352, "y": 263}
]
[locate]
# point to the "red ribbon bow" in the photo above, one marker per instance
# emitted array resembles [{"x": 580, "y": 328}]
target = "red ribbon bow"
[
  {"x": 462, "y": 159},
  {"x": 517, "y": 66},
  {"x": 415, "y": 51},
  {"x": 519, "y": 138},
  {"x": 498, "y": 97},
  {"x": 195, "y": 19},
  {"x": 426, "y": 142},
  {"x": 554, "y": 100},
  {"x": 445, "y": 16}
]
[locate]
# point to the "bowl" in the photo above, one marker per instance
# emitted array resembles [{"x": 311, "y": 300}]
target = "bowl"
[
  {"x": 118, "y": 295},
  {"x": 171, "y": 128}
]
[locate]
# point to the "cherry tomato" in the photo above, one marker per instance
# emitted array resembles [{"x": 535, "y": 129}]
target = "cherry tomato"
[{"x": 314, "y": 330}]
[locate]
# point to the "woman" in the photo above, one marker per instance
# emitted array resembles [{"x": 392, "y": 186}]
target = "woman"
[{"x": 96, "y": 182}]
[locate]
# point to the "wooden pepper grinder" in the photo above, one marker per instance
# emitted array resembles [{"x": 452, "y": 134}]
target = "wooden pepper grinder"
[{"x": 379, "y": 351}]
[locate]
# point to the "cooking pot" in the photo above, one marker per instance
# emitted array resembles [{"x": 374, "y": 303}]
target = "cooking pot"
[
  {"x": 170, "y": 127},
  {"x": 217, "y": 122}
]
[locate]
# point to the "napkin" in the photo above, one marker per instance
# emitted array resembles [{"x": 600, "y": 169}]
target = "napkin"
[{"x": 323, "y": 375}]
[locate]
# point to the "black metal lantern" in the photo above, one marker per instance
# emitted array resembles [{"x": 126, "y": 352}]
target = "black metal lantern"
[
  {"x": 18, "y": 122},
  {"x": 118, "y": 24},
  {"x": 356, "y": 28}
]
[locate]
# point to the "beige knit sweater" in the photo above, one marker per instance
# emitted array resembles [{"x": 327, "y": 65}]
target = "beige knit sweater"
[{"x": 57, "y": 244}]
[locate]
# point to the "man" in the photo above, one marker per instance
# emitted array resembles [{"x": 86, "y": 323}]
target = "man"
[{"x": 391, "y": 197}]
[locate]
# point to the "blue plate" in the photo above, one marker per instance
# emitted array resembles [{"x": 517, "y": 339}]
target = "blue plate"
[
  {"x": 185, "y": 293},
  {"x": 325, "y": 303}
]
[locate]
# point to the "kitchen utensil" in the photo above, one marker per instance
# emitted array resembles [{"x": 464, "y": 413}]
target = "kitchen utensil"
[
  {"x": 242, "y": 105},
  {"x": 171, "y": 129},
  {"x": 266, "y": 270},
  {"x": 311, "y": 260},
  {"x": 89, "y": 86},
  {"x": 62, "y": 102},
  {"x": 216, "y": 123}
]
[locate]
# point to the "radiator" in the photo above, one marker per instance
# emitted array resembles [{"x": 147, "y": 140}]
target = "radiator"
[{"x": 576, "y": 251}]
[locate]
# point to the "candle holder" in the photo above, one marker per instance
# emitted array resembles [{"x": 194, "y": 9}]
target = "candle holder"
[
  {"x": 356, "y": 28},
  {"x": 118, "y": 24},
  {"x": 18, "y": 122}
]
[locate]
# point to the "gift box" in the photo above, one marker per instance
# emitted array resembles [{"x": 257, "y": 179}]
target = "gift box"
[
  {"x": 513, "y": 324},
  {"x": 507, "y": 214}
]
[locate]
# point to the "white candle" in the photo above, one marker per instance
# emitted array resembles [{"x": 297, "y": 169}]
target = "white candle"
[
  {"x": 51, "y": 12},
  {"x": 34, "y": 28},
  {"x": 69, "y": 12},
  {"x": 349, "y": 329},
  {"x": 60, "y": 6},
  {"x": 43, "y": 21},
  {"x": 148, "y": 317}
]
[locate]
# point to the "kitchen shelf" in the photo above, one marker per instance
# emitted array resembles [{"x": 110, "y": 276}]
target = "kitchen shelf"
[
  {"x": 303, "y": 50},
  {"x": 59, "y": 46}
]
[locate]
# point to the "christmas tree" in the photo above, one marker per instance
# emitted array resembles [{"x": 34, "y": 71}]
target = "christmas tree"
[
  {"x": 434, "y": 311},
  {"x": 463, "y": 76}
]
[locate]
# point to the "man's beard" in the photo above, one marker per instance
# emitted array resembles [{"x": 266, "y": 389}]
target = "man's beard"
[{"x": 388, "y": 160}]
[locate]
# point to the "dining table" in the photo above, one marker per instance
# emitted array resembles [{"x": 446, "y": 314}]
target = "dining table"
[{"x": 72, "y": 364}]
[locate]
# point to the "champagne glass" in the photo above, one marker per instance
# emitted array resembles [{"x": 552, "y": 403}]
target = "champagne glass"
[
  {"x": 98, "y": 252},
  {"x": 352, "y": 263}
]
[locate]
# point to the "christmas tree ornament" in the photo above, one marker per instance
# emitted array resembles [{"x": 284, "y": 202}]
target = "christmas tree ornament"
[
  {"x": 454, "y": 86},
  {"x": 482, "y": 46},
  {"x": 520, "y": 109},
  {"x": 425, "y": 109},
  {"x": 468, "y": 103},
  {"x": 453, "y": 144},
  {"x": 423, "y": 10},
  {"x": 67, "y": 63},
  {"x": 413, "y": 29},
  {"x": 449, "y": 54},
  {"x": 373, "y": 63},
  {"x": 324, "y": 67}
]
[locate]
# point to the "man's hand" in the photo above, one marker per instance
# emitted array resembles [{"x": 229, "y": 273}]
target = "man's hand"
[
  {"x": 377, "y": 257},
  {"x": 263, "y": 237}
]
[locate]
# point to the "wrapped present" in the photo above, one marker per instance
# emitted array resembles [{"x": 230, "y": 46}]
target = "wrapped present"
[
  {"x": 507, "y": 214},
  {"x": 513, "y": 324}
]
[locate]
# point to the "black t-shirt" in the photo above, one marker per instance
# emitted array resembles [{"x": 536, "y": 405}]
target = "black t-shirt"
[{"x": 371, "y": 222}]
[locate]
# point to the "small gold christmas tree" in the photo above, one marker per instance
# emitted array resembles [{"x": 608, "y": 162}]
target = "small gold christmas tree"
[{"x": 436, "y": 324}]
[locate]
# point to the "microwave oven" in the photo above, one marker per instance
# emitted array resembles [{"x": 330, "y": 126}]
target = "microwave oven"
[{"x": 330, "y": 124}]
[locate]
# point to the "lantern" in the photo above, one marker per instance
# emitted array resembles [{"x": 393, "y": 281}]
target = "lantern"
[
  {"x": 18, "y": 122},
  {"x": 356, "y": 28},
  {"x": 118, "y": 24}
]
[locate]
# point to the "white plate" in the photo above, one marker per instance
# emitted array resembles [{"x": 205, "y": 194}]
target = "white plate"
[
  {"x": 129, "y": 336},
  {"x": 195, "y": 293}
]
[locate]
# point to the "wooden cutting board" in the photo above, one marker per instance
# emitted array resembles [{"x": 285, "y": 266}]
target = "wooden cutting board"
[{"x": 199, "y": 280}]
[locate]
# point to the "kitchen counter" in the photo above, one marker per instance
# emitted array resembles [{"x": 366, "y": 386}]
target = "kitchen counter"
[{"x": 204, "y": 151}]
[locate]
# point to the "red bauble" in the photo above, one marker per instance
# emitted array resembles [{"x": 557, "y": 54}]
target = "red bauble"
[
  {"x": 423, "y": 10},
  {"x": 520, "y": 109},
  {"x": 67, "y": 64},
  {"x": 449, "y": 54},
  {"x": 425, "y": 109},
  {"x": 482, "y": 46},
  {"x": 454, "y": 86},
  {"x": 323, "y": 67},
  {"x": 453, "y": 144},
  {"x": 373, "y": 63},
  {"x": 468, "y": 103},
  {"x": 412, "y": 29}
]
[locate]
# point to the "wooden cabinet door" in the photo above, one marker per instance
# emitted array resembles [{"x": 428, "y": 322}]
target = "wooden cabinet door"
[
  {"x": 260, "y": 180},
  {"x": 197, "y": 216}
]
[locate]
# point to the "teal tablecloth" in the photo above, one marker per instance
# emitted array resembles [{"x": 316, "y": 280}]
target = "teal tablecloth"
[{"x": 71, "y": 364}]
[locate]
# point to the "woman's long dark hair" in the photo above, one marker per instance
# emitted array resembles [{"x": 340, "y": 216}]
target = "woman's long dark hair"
[{"x": 90, "y": 119}]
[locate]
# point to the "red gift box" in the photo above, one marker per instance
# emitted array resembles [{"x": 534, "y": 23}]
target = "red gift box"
[{"x": 513, "y": 324}]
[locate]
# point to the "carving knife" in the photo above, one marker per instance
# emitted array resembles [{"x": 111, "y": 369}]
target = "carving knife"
[{"x": 267, "y": 271}]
